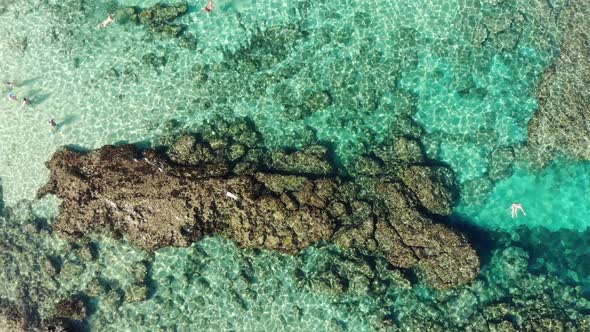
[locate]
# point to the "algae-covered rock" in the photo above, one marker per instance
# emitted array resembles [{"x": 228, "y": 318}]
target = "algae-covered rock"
[
  {"x": 139, "y": 271},
  {"x": 318, "y": 101},
  {"x": 24, "y": 318},
  {"x": 126, "y": 14},
  {"x": 176, "y": 205},
  {"x": 408, "y": 150},
  {"x": 443, "y": 258},
  {"x": 270, "y": 46},
  {"x": 169, "y": 30},
  {"x": 309, "y": 161},
  {"x": 136, "y": 293},
  {"x": 282, "y": 183},
  {"x": 94, "y": 288},
  {"x": 236, "y": 151},
  {"x": 336, "y": 272},
  {"x": 286, "y": 202},
  {"x": 434, "y": 186},
  {"x": 187, "y": 150},
  {"x": 73, "y": 308},
  {"x": 562, "y": 122},
  {"x": 366, "y": 165},
  {"x": 401, "y": 151},
  {"x": 85, "y": 252},
  {"x": 188, "y": 40},
  {"x": 12, "y": 318},
  {"x": 71, "y": 269},
  {"x": 161, "y": 14},
  {"x": 50, "y": 266},
  {"x": 408, "y": 239}
]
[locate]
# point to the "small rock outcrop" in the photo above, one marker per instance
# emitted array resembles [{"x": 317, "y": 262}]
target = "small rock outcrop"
[
  {"x": 278, "y": 200},
  {"x": 158, "y": 18}
]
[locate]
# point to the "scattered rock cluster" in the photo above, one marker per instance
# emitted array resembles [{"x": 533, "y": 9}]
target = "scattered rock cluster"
[
  {"x": 24, "y": 318},
  {"x": 224, "y": 181},
  {"x": 159, "y": 20},
  {"x": 506, "y": 296}
]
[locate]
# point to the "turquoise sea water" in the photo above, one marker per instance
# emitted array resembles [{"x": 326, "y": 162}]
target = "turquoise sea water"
[{"x": 459, "y": 74}]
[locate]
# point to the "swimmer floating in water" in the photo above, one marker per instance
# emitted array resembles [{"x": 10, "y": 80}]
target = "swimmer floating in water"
[
  {"x": 11, "y": 96},
  {"x": 110, "y": 19},
  {"x": 209, "y": 8},
  {"x": 26, "y": 101},
  {"x": 52, "y": 123},
  {"x": 515, "y": 207}
]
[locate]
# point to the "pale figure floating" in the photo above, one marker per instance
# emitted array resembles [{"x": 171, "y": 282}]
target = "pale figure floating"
[{"x": 515, "y": 208}]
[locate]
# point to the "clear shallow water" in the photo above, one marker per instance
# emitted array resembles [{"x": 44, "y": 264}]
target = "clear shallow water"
[
  {"x": 555, "y": 198},
  {"x": 459, "y": 74}
]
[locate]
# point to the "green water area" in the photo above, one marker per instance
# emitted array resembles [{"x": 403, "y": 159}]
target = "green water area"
[{"x": 480, "y": 106}]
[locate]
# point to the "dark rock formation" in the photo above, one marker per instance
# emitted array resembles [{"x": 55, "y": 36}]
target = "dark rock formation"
[
  {"x": 158, "y": 18},
  {"x": 310, "y": 161},
  {"x": 12, "y": 318},
  {"x": 286, "y": 201},
  {"x": 21, "y": 318},
  {"x": 562, "y": 123},
  {"x": 406, "y": 238},
  {"x": 73, "y": 308},
  {"x": 126, "y": 14},
  {"x": 157, "y": 204}
]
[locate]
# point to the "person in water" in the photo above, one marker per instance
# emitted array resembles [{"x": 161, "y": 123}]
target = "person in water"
[
  {"x": 11, "y": 96},
  {"x": 110, "y": 19},
  {"x": 209, "y": 8},
  {"x": 10, "y": 84},
  {"x": 26, "y": 101},
  {"x": 515, "y": 208},
  {"x": 52, "y": 123}
]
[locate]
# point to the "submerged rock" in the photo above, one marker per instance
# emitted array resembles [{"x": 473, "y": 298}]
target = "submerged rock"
[
  {"x": 406, "y": 238},
  {"x": 12, "y": 318},
  {"x": 562, "y": 123},
  {"x": 126, "y": 14},
  {"x": 286, "y": 202},
  {"x": 311, "y": 161},
  {"x": 24, "y": 318},
  {"x": 158, "y": 17},
  {"x": 73, "y": 308},
  {"x": 434, "y": 186},
  {"x": 136, "y": 293},
  {"x": 155, "y": 203},
  {"x": 501, "y": 163}
]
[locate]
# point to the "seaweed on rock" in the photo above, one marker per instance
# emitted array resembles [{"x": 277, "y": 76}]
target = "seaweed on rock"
[
  {"x": 260, "y": 198},
  {"x": 562, "y": 123}
]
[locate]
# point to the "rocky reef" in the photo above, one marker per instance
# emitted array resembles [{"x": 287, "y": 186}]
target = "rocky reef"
[
  {"x": 224, "y": 181},
  {"x": 562, "y": 123},
  {"x": 159, "y": 20},
  {"x": 51, "y": 284},
  {"x": 506, "y": 296},
  {"x": 36, "y": 296}
]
